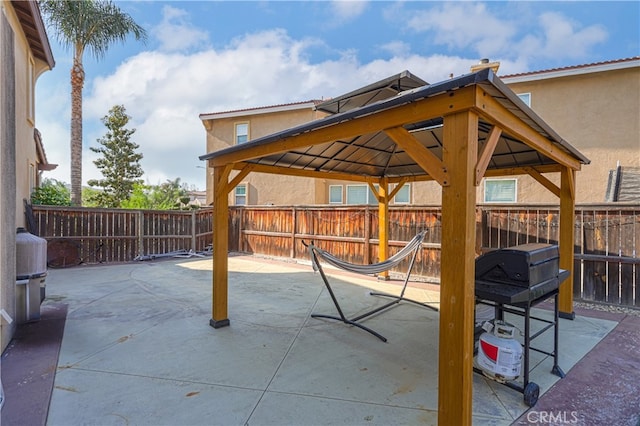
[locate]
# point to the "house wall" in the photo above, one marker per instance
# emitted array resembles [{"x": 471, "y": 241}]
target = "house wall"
[
  {"x": 597, "y": 113},
  {"x": 7, "y": 177},
  {"x": 264, "y": 189},
  {"x": 18, "y": 72}
]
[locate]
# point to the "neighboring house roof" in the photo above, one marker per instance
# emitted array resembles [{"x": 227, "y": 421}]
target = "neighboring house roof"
[
  {"x": 372, "y": 153},
  {"x": 30, "y": 18},
  {"x": 572, "y": 70},
  {"x": 260, "y": 110},
  {"x": 43, "y": 163}
]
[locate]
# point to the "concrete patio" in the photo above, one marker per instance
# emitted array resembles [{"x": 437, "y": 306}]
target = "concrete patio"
[{"x": 137, "y": 349}]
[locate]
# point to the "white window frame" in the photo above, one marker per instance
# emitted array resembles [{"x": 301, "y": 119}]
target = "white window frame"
[
  {"x": 237, "y": 134},
  {"x": 395, "y": 198},
  {"x": 245, "y": 187},
  {"x": 515, "y": 191},
  {"x": 526, "y": 98},
  {"x": 334, "y": 187}
]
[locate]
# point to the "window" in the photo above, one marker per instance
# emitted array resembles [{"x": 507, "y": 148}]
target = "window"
[
  {"x": 242, "y": 133},
  {"x": 403, "y": 196},
  {"x": 241, "y": 195},
  {"x": 361, "y": 194},
  {"x": 500, "y": 190},
  {"x": 526, "y": 98},
  {"x": 335, "y": 194}
]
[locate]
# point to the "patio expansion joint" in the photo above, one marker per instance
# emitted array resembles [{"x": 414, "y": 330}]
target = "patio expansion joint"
[
  {"x": 358, "y": 401},
  {"x": 164, "y": 379},
  {"x": 106, "y": 347}
]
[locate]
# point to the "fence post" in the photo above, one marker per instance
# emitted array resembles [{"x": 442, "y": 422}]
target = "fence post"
[
  {"x": 293, "y": 232},
  {"x": 367, "y": 236},
  {"x": 193, "y": 230},
  {"x": 140, "y": 232}
]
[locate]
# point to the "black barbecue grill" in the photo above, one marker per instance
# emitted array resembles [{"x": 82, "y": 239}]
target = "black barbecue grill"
[{"x": 515, "y": 279}]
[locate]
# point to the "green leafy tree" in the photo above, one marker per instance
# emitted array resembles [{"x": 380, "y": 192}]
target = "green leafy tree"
[
  {"x": 51, "y": 192},
  {"x": 120, "y": 163},
  {"x": 93, "y": 26},
  {"x": 167, "y": 195},
  {"x": 139, "y": 198},
  {"x": 170, "y": 195},
  {"x": 90, "y": 197}
]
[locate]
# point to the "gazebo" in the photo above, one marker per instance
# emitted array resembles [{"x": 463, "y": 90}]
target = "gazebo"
[{"x": 454, "y": 132}]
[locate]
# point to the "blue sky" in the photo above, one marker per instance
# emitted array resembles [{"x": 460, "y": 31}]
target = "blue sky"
[{"x": 210, "y": 56}]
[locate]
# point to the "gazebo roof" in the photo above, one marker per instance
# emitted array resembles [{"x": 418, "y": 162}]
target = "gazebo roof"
[{"x": 366, "y": 151}]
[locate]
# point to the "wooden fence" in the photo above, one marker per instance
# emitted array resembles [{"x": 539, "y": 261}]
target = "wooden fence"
[
  {"x": 85, "y": 235},
  {"x": 607, "y": 237}
]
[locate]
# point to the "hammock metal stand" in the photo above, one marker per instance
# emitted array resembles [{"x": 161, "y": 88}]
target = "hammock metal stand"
[{"x": 411, "y": 248}]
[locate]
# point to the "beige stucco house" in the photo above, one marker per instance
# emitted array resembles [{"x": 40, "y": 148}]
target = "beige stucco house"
[
  {"x": 595, "y": 107},
  {"x": 25, "y": 54}
]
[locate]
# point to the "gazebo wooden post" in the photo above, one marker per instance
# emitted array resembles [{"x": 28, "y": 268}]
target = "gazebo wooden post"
[
  {"x": 455, "y": 361},
  {"x": 383, "y": 225},
  {"x": 219, "y": 314},
  {"x": 566, "y": 243}
]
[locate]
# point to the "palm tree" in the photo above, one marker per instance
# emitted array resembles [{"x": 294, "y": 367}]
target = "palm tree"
[{"x": 92, "y": 25}]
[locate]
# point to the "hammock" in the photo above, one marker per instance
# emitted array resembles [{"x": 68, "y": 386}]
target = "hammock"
[
  {"x": 411, "y": 248},
  {"x": 374, "y": 268}
]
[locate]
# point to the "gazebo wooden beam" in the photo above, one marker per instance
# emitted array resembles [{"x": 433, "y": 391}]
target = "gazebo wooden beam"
[
  {"x": 543, "y": 180},
  {"x": 383, "y": 224},
  {"x": 262, "y": 168},
  {"x": 457, "y": 294},
  {"x": 414, "y": 112},
  {"x": 512, "y": 171},
  {"x": 421, "y": 155},
  {"x": 495, "y": 113},
  {"x": 219, "y": 292},
  {"x": 567, "y": 230},
  {"x": 487, "y": 151}
]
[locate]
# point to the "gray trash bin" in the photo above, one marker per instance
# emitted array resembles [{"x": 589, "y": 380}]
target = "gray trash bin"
[
  {"x": 31, "y": 270},
  {"x": 27, "y": 299}
]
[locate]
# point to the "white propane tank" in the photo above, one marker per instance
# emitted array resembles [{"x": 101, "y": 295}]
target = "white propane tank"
[{"x": 499, "y": 354}]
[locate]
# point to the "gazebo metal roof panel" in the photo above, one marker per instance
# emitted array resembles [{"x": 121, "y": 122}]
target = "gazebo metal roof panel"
[
  {"x": 371, "y": 93},
  {"x": 377, "y": 155}
]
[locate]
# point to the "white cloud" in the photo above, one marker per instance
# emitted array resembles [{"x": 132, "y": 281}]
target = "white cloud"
[
  {"x": 175, "y": 33},
  {"x": 346, "y": 10},
  {"x": 522, "y": 38},
  {"x": 563, "y": 39},
  {"x": 461, "y": 25},
  {"x": 396, "y": 48}
]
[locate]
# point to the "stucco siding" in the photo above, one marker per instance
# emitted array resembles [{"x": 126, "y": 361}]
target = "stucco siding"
[
  {"x": 598, "y": 114},
  {"x": 7, "y": 177},
  {"x": 264, "y": 189}
]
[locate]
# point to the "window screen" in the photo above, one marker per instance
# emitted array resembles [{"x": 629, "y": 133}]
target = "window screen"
[
  {"x": 335, "y": 194},
  {"x": 500, "y": 190}
]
